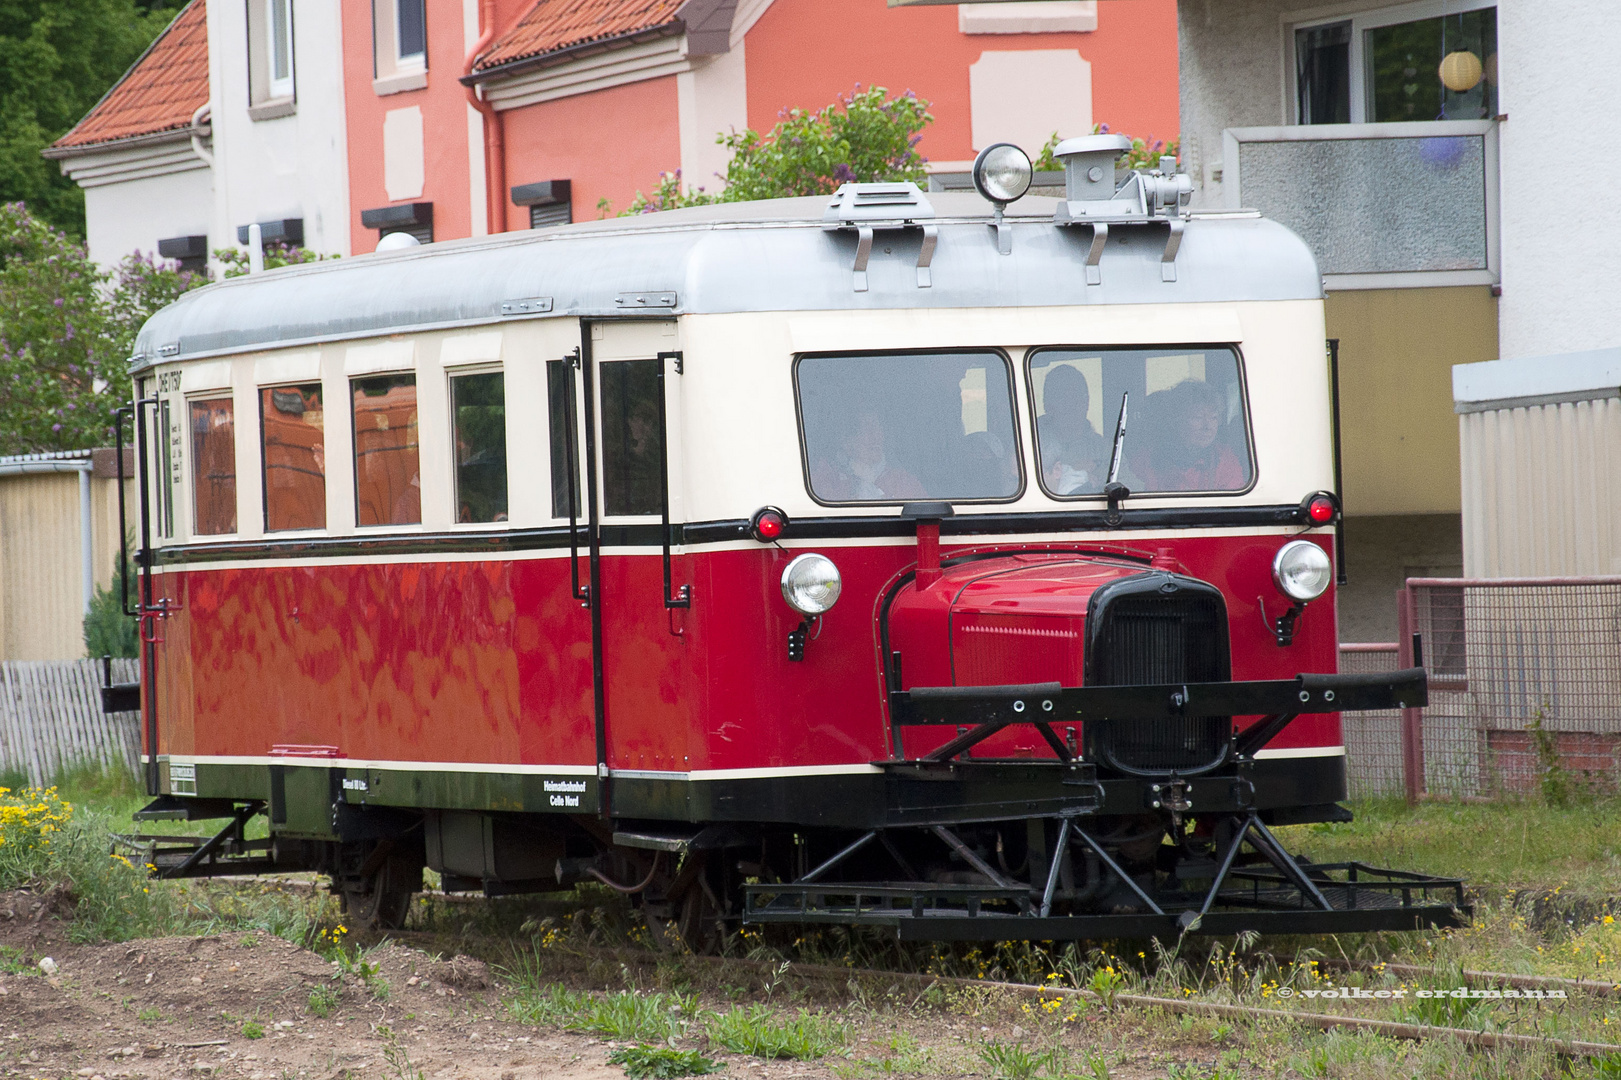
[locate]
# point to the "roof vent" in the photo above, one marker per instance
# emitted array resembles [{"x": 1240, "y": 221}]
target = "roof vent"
[
  {"x": 865, "y": 208},
  {"x": 1159, "y": 196}
]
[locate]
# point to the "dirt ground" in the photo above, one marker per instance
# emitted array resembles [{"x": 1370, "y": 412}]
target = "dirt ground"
[{"x": 183, "y": 1008}]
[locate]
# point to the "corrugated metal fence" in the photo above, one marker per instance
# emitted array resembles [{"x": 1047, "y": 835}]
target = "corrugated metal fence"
[
  {"x": 1525, "y": 690},
  {"x": 51, "y": 719}
]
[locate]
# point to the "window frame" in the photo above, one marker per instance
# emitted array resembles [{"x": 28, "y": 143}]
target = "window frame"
[
  {"x": 393, "y": 73},
  {"x": 980, "y": 350},
  {"x": 1361, "y": 22},
  {"x": 1233, "y": 347},
  {"x": 202, "y": 397},
  {"x": 488, "y": 367},
  {"x": 268, "y": 96}
]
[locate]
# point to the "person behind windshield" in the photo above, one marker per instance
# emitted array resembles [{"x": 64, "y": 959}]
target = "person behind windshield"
[
  {"x": 859, "y": 470},
  {"x": 1189, "y": 453},
  {"x": 1074, "y": 457}
]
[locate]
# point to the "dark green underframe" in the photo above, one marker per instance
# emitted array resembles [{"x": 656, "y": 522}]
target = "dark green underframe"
[{"x": 303, "y": 795}]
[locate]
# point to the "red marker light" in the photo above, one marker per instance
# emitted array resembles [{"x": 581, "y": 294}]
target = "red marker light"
[
  {"x": 768, "y": 524},
  {"x": 1320, "y": 510}
]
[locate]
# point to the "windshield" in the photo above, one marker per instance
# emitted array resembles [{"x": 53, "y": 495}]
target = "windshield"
[
  {"x": 1187, "y": 430},
  {"x": 899, "y": 427}
]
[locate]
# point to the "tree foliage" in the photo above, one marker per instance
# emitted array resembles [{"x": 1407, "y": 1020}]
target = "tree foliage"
[
  {"x": 57, "y": 58},
  {"x": 867, "y": 136},
  {"x": 66, "y": 329}
]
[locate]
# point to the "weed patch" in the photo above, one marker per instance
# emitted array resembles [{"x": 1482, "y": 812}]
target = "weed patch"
[
  {"x": 761, "y": 1032},
  {"x": 660, "y": 1062}
]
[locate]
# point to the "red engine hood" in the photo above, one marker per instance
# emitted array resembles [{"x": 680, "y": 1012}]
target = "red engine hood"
[{"x": 1011, "y": 619}]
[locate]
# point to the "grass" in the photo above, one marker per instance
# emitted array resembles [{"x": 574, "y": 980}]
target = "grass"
[
  {"x": 1521, "y": 844},
  {"x": 323, "y": 1000},
  {"x": 626, "y": 1015},
  {"x": 760, "y": 1031}
]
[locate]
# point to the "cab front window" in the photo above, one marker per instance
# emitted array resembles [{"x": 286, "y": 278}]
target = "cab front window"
[
  {"x": 903, "y": 427},
  {"x": 1185, "y": 422}
]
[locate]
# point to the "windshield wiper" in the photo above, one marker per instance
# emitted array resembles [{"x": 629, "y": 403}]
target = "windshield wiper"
[{"x": 1114, "y": 490}]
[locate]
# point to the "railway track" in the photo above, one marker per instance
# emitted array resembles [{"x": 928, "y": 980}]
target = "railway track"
[{"x": 1485, "y": 1040}]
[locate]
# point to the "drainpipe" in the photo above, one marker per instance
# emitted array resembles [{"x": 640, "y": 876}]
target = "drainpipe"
[
  {"x": 84, "y": 466},
  {"x": 495, "y": 158},
  {"x": 203, "y": 111}
]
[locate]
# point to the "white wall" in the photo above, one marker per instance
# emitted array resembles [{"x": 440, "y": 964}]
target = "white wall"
[
  {"x": 291, "y": 166},
  {"x": 1561, "y": 266},
  {"x": 135, "y": 197}
]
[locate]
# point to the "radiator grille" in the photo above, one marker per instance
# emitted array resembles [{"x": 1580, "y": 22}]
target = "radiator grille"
[{"x": 1157, "y": 637}]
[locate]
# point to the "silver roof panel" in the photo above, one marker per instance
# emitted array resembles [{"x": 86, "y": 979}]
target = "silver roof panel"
[{"x": 765, "y": 256}]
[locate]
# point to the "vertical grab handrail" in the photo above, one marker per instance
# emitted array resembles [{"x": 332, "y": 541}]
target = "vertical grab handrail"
[
  {"x": 143, "y": 557},
  {"x": 571, "y": 363},
  {"x": 683, "y": 598}
]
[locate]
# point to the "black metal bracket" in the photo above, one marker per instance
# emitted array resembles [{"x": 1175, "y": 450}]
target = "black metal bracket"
[
  {"x": 681, "y": 598},
  {"x": 798, "y": 636},
  {"x": 1283, "y": 628},
  {"x": 1115, "y": 492},
  {"x": 118, "y": 697}
]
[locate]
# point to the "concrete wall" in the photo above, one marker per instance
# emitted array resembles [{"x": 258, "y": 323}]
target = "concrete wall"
[
  {"x": 41, "y": 589},
  {"x": 1557, "y": 296},
  {"x": 291, "y": 166},
  {"x": 1383, "y": 552}
]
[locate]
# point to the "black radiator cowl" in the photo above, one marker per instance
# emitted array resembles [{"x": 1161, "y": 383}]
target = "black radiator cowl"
[{"x": 1156, "y": 628}]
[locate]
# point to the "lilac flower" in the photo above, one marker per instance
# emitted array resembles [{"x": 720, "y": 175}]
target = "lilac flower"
[{"x": 56, "y": 427}]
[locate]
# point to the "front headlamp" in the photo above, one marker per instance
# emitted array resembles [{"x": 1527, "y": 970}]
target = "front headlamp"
[
  {"x": 811, "y": 583},
  {"x": 1302, "y": 571}
]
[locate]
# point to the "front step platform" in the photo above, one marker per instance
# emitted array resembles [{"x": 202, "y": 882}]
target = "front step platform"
[
  {"x": 1361, "y": 899},
  {"x": 228, "y": 851}
]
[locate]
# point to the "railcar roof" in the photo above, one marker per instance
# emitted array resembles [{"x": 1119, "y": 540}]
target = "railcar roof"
[{"x": 772, "y": 255}]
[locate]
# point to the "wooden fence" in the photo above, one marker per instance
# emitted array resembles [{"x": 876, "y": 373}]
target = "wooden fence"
[{"x": 51, "y": 719}]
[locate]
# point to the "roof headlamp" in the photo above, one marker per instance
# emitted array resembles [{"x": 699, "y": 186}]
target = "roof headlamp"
[{"x": 1002, "y": 173}]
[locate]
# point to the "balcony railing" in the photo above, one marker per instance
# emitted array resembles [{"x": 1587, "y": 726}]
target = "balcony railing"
[{"x": 1381, "y": 205}]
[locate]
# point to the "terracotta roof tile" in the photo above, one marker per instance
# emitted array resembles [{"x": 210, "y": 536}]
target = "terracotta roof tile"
[
  {"x": 159, "y": 92},
  {"x": 553, "y": 25}
]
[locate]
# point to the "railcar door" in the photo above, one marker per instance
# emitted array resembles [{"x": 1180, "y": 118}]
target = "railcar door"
[
  {"x": 640, "y": 590},
  {"x": 158, "y": 596}
]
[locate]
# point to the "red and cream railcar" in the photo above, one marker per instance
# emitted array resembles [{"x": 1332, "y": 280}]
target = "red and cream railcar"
[{"x": 890, "y": 557}]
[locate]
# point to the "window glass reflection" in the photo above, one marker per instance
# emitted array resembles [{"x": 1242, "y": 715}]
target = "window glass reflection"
[
  {"x": 292, "y": 431},
  {"x": 213, "y": 466},
  {"x": 388, "y": 478},
  {"x": 479, "y": 405}
]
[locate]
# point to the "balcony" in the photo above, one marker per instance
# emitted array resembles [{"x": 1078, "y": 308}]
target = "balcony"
[{"x": 1408, "y": 205}]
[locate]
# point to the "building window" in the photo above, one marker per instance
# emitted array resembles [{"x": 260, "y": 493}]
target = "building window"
[
  {"x": 388, "y": 474},
  {"x": 1380, "y": 67},
  {"x": 213, "y": 466},
  {"x": 399, "y": 45},
  {"x": 270, "y": 58},
  {"x": 549, "y": 201},
  {"x": 479, "y": 405},
  {"x": 292, "y": 432}
]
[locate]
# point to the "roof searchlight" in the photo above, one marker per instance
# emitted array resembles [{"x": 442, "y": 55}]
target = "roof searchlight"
[{"x": 1002, "y": 174}]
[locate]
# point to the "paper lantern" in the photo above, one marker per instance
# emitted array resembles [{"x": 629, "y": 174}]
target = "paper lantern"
[{"x": 1461, "y": 71}]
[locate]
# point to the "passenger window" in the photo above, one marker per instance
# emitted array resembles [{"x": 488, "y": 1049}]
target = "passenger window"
[
  {"x": 292, "y": 429},
  {"x": 213, "y": 466},
  {"x": 562, "y": 414},
  {"x": 1185, "y": 426},
  {"x": 479, "y": 405},
  {"x": 388, "y": 477},
  {"x": 632, "y": 453},
  {"x": 898, "y": 427}
]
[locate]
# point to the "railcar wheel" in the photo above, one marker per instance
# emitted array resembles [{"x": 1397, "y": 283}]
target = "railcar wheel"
[
  {"x": 379, "y": 896},
  {"x": 689, "y": 920}
]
